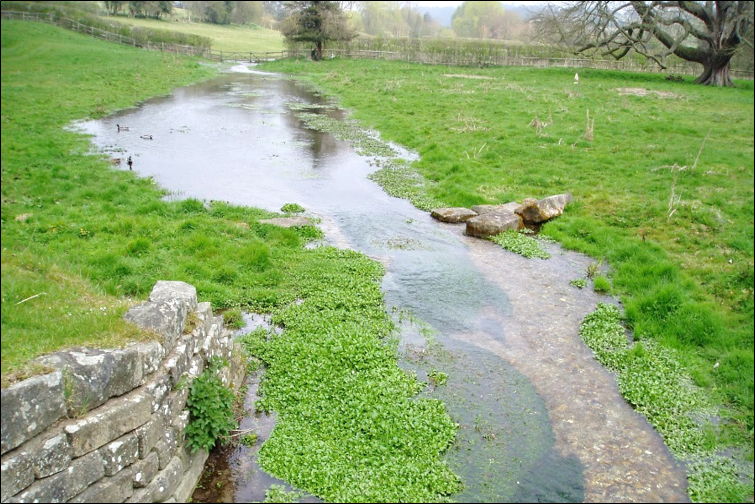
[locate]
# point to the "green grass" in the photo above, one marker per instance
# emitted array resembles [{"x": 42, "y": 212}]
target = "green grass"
[
  {"x": 232, "y": 38},
  {"x": 82, "y": 242},
  {"x": 663, "y": 191}
]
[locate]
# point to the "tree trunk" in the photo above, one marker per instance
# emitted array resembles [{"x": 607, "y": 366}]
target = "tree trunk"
[
  {"x": 319, "y": 50},
  {"x": 716, "y": 72}
]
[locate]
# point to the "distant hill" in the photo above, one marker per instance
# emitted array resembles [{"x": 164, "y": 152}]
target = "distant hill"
[{"x": 443, "y": 14}]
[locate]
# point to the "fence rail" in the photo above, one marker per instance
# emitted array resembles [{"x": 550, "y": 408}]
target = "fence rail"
[{"x": 460, "y": 58}]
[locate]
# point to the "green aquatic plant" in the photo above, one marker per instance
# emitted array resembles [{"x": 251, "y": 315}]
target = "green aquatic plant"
[{"x": 520, "y": 244}]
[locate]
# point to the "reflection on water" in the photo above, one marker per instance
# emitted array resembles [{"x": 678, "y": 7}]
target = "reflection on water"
[{"x": 539, "y": 419}]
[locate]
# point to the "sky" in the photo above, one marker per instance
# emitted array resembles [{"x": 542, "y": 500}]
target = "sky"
[{"x": 455, "y": 4}]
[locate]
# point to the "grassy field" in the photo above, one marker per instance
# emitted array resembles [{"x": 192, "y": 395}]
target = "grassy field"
[
  {"x": 83, "y": 241},
  {"x": 231, "y": 38},
  {"x": 661, "y": 172}
]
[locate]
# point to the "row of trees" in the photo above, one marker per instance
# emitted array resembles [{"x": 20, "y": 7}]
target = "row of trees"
[
  {"x": 140, "y": 9},
  {"x": 708, "y": 33}
]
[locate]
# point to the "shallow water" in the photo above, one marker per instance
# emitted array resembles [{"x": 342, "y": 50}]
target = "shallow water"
[{"x": 540, "y": 419}]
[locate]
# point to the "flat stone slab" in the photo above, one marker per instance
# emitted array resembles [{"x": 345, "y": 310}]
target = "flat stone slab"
[
  {"x": 493, "y": 223},
  {"x": 288, "y": 222},
  {"x": 508, "y": 207},
  {"x": 453, "y": 214}
]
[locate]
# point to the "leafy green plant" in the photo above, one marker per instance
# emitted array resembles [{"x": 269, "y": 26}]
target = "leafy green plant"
[
  {"x": 278, "y": 493},
  {"x": 579, "y": 283},
  {"x": 292, "y": 208},
  {"x": 438, "y": 378},
  {"x": 249, "y": 439},
  {"x": 210, "y": 404},
  {"x": 520, "y": 244}
]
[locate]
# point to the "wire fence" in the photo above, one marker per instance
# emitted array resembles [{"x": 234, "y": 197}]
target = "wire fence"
[{"x": 453, "y": 56}]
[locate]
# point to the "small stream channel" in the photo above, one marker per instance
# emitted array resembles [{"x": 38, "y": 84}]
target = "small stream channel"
[{"x": 540, "y": 419}]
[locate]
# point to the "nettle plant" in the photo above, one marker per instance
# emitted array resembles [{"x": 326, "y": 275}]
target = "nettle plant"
[{"x": 210, "y": 405}]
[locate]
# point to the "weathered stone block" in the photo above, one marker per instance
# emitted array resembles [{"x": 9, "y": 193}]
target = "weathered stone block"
[
  {"x": 508, "y": 207},
  {"x": 535, "y": 212},
  {"x": 166, "y": 318},
  {"x": 204, "y": 312},
  {"x": 152, "y": 354},
  {"x": 176, "y": 364},
  {"x": 140, "y": 495},
  {"x": 117, "y": 488},
  {"x": 109, "y": 422},
  {"x": 453, "y": 215},
  {"x": 86, "y": 375},
  {"x": 145, "y": 470},
  {"x": 127, "y": 372},
  {"x": 166, "y": 447},
  {"x": 29, "y": 407},
  {"x": 17, "y": 473},
  {"x": 195, "y": 367},
  {"x": 49, "y": 456},
  {"x": 65, "y": 485},
  {"x": 157, "y": 391},
  {"x": 149, "y": 434},
  {"x": 180, "y": 422},
  {"x": 193, "y": 467},
  {"x": 167, "y": 290},
  {"x": 177, "y": 400},
  {"x": 122, "y": 452},
  {"x": 165, "y": 483},
  {"x": 490, "y": 224}
]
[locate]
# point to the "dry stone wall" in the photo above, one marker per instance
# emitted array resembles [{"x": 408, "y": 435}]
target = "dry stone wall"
[{"x": 107, "y": 425}]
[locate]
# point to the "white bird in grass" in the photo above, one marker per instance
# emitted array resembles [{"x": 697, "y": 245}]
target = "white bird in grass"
[{"x": 576, "y": 78}]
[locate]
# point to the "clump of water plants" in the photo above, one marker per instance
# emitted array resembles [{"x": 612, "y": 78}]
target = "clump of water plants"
[
  {"x": 579, "y": 283},
  {"x": 233, "y": 318},
  {"x": 292, "y": 208},
  {"x": 653, "y": 381},
  {"x": 399, "y": 180},
  {"x": 521, "y": 244},
  {"x": 437, "y": 378}
]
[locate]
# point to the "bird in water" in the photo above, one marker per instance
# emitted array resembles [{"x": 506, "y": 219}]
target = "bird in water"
[
  {"x": 146, "y": 137},
  {"x": 122, "y": 128}
]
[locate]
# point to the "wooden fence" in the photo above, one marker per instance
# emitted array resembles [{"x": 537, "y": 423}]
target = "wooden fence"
[{"x": 460, "y": 58}]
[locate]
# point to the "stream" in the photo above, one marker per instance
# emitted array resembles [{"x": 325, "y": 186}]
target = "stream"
[{"x": 540, "y": 420}]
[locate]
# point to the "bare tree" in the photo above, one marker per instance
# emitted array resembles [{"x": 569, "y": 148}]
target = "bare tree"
[{"x": 709, "y": 33}]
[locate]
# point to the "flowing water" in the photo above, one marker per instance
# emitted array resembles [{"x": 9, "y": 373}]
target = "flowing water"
[{"x": 540, "y": 420}]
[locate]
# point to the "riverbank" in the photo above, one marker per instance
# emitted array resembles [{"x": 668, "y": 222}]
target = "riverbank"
[{"x": 680, "y": 254}]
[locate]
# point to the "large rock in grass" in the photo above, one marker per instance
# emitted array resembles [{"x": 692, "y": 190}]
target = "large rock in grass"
[
  {"x": 493, "y": 223},
  {"x": 453, "y": 215},
  {"x": 533, "y": 211},
  {"x": 508, "y": 207}
]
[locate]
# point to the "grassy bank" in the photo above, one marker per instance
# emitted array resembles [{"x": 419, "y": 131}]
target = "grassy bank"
[
  {"x": 224, "y": 37},
  {"x": 662, "y": 180},
  {"x": 83, "y": 241}
]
